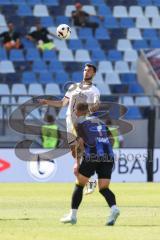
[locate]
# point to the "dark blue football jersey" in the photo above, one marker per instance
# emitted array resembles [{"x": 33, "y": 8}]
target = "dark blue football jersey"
[{"x": 94, "y": 134}]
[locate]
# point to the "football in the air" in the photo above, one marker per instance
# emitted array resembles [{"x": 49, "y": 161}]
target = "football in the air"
[{"x": 63, "y": 31}]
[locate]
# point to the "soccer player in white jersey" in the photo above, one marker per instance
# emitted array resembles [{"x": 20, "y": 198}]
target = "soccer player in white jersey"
[{"x": 81, "y": 92}]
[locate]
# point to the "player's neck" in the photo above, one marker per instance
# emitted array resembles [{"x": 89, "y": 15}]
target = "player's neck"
[{"x": 87, "y": 82}]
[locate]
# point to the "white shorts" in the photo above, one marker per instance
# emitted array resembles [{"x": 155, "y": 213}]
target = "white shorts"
[{"x": 71, "y": 132}]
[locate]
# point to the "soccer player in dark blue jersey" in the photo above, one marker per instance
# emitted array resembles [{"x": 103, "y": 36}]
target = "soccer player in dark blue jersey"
[{"x": 94, "y": 147}]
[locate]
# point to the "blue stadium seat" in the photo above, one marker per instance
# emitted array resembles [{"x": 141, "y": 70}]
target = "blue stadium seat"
[
  {"x": 149, "y": 34},
  {"x": 135, "y": 88},
  {"x": 128, "y": 78},
  {"x": 28, "y": 77},
  {"x": 16, "y": 55},
  {"x": 97, "y": 2},
  {"x": 126, "y": 23},
  {"x": 97, "y": 55},
  {"x": 49, "y": 55},
  {"x": 39, "y": 66},
  {"x": 104, "y": 10},
  {"x": 27, "y": 44},
  {"x": 156, "y": 3},
  {"x": 133, "y": 113},
  {"x": 51, "y": 2},
  {"x": 85, "y": 33},
  {"x": 17, "y": 2},
  {"x": 5, "y": 2},
  {"x": 140, "y": 44},
  {"x": 75, "y": 44},
  {"x": 3, "y": 54},
  {"x": 47, "y": 21},
  {"x": 95, "y": 19},
  {"x": 102, "y": 33},
  {"x": 24, "y": 10},
  {"x": 32, "y": 54},
  {"x": 110, "y": 23},
  {"x": 144, "y": 3},
  {"x": 45, "y": 77},
  {"x": 33, "y": 2},
  {"x": 91, "y": 44},
  {"x": 114, "y": 55},
  {"x": 77, "y": 76},
  {"x": 154, "y": 43},
  {"x": 61, "y": 77},
  {"x": 55, "y": 66},
  {"x": 62, "y": 20}
]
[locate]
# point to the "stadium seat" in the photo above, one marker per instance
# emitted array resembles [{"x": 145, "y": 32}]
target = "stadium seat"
[
  {"x": 128, "y": 101},
  {"x": 77, "y": 76},
  {"x": 4, "y": 89},
  {"x": 61, "y": 77},
  {"x": 82, "y": 56},
  {"x": 39, "y": 66},
  {"x": 60, "y": 45},
  {"x": 18, "y": 89},
  {"x": 112, "y": 78},
  {"x": 51, "y": 2},
  {"x": 114, "y": 55},
  {"x": 135, "y": 88},
  {"x": 24, "y": 10},
  {"x": 97, "y": 2},
  {"x": 144, "y": 3},
  {"x": 45, "y": 77},
  {"x": 69, "y": 9},
  {"x": 49, "y": 55},
  {"x": 6, "y": 67},
  {"x": 97, "y": 55},
  {"x": 105, "y": 67},
  {"x": 8, "y": 100},
  {"x": 102, "y": 33},
  {"x": 98, "y": 79},
  {"x": 40, "y": 10},
  {"x": 133, "y": 113},
  {"x": 130, "y": 56},
  {"x": 110, "y": 23},
  {"x": 128, "y": 78},
  {"x": 140, "y": 44},
  {"x": 133, "y": 67},
  {"x": 126, "y": 23},
  {"x": 156, "y": 3},
  {"x": 142, "y": 101},
  {"x": 16, "y": 55},
  {"x": 74, "y": 33},
  {"x": 52, "y": 89},
  {"x": 75, "y": 44},
  {"x": 91, "y": 44},
  {"x": 142, "y": 23},
  {"x": 136, "y": 12},
  {"x": 89, "y": 9},
  {"x": 103, "y": 88},
  {"x": 46, "y": 21},
  {"x": 3, "y": 54},
  {"x": 154, "y": 43},
  {"x": 2, "y": 21},
  {"x": 66, "y": 55},
  {"x": 32, "y": 54},
  {"x": 62, "y": 20},
  {"x": 35, "y": 89},
  {"x": 124, "y": 45},
  {"x": 33, "y": 2},
  {"x": 134, "y": 34},
  {"x": 22, "y": 100},
  {"x": 155, "y": 23},
  {"x": 28, "y": 77},
  {"x": 85, "y": 33},
  {"x": 149, "y": 34},
  {"x": 151, "y": 11},
  {"x": 120, "y": 11},
  {"x": 121, "y": 67},
  {"x": 104, "y": 10},
  {"x": 55, "y": 66}
]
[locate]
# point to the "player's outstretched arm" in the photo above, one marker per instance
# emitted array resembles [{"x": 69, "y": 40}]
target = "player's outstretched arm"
[{"x": 53, "y": 103}]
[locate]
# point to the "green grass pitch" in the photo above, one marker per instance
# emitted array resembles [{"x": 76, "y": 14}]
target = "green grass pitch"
[{"x": 32, "y": 212}]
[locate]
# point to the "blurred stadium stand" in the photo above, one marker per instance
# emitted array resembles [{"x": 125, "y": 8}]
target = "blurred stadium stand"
[{"x": 115, "y": 47}]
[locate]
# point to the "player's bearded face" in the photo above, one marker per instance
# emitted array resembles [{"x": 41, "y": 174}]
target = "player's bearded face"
[{"x": 88, "y": 73}]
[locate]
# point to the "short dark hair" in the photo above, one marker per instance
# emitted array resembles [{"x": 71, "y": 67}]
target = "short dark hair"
[
  {"x": 92, "y": 66},
  {"x": 83, "y": 107}
]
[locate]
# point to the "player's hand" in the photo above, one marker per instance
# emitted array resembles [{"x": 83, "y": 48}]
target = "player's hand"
[
  {"x": 43, "y": 101},
  {"x": 76, "y": 169}
]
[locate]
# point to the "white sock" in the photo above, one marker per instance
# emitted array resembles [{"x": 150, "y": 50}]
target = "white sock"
[
  {"x": 114, "y": 207},
  {"x": 73, "y": 213}
]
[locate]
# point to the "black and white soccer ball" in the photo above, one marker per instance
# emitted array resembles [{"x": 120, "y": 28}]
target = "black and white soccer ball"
[{"x": 63, "y": 31}]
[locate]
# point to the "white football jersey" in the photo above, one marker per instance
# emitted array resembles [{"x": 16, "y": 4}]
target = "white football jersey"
[{"x": 78, "y": 93}]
